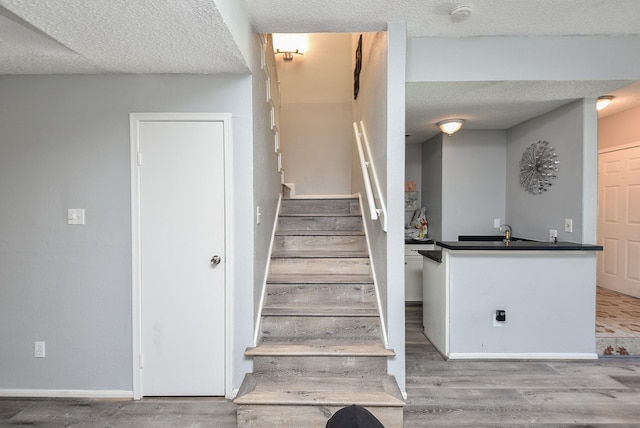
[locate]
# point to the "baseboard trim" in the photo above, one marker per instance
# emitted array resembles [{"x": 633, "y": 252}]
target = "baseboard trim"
[
  {"x": 522, "y": 356},
  {"x": 66, "y": 393}
]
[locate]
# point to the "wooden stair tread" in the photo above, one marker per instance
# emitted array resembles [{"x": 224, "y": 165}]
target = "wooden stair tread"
[
  {"x": 325, "y": 254},
  {"x": 311, "y": 310},
  {"x": 319, "y": 233},
  {"x": 375, "y": 391},
  {"x": 321, "y": 348},
  {"x": 298, "y": 278}
]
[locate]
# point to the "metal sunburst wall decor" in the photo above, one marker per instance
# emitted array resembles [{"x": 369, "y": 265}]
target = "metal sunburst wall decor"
[{"x": 538, "y": 167}]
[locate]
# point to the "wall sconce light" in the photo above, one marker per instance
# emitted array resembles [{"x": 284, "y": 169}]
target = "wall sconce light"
[
  {"x": 450, "y": 126},
  {"x": 290, "y": 44},
  {"x": 604, "y": 101}
]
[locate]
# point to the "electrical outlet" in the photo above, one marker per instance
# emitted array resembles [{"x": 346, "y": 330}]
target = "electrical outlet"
[
  {"x": 553, "y": 234},
  {"x": 568, "y": 225},
  {"x": 38, "y": 350},
  {"x": 75, "y": 216},
  {"x": 496, "y": 223}
]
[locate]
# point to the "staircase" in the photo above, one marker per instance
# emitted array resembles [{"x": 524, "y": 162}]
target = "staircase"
[{"x": 320, "y": 344}]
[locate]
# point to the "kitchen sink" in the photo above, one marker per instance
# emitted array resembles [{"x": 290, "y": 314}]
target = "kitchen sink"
[{"x": 488, "y": 238}]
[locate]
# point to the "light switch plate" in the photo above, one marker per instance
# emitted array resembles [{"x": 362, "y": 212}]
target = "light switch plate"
[
  {"x": 496, "y": 223},
  {"x": 75, "y": 216}
]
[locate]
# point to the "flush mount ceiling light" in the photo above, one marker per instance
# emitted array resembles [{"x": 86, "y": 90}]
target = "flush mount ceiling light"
[
  {"x": 460, "y": 13},
  {"x": 450, "y": 126},
  {"x": 290, "y": 44},
  {"x": 604, "y": 101}
]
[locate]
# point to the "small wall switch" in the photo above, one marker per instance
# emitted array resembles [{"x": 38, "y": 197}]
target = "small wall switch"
[
  {"x": 38, "y": 350},
  {"x": 496, "y": 223},
  {"x": 568, "y": 225},
  {"x": 75, "y": 216},
  {"x": 258, "y": 214}
]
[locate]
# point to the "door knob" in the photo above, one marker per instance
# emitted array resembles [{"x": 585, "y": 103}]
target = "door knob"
[{"x": 215, "y": 260}]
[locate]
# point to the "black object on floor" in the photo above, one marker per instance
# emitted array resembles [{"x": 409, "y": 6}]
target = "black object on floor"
[{"x": 353, "y": 417}]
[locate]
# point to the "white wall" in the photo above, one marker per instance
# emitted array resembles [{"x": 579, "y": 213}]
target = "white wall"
[
  {"x": 370, "y": 108},
  {"x": 571, "y": 131},
  {"x": 464, "y": 183},
  {"x": 413, "y": 172},
  {"x": 547, "y": 58},
  {"x": 316, "y": 148},
  {"x": 396, "y": 62},
  {"x": 380, "y": 105},
  {"x": 432, "y": 184},
  {"x": 619, "y": 129},
  {"x": 266, "y": 191},
  {"x": 64, "y": 143},
  {"x": 473, "y": 182},
  {"x": 315, "y": 116},
  {"x": 549, "y": 298}
]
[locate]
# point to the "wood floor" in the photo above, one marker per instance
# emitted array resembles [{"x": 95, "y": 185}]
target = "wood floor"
[{"x": 603, "y": 393}]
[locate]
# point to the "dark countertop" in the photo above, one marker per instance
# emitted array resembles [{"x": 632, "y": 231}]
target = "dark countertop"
[
  {"x": 517, "y": 245},
  {"x": 418, "y": 241},
  {"x": 435, "y": 255}
]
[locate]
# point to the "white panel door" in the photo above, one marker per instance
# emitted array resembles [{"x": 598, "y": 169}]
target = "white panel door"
[
  {"x": 181, "y": 192},
  {"x": 619, "y": 220}
]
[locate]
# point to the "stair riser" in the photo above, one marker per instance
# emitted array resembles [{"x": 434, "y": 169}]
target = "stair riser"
[
  {"x": 338, "y": 328},
  {"x": 320, "y": 366},
  {"x": 320, "y": 243},
  {"x": 322, "y": 206},
  {"x": 320, "y": 223},
  {"x": 359, "y": 266},
  {"x": 307, "y": 416},
  {"x": 278, "y": 294}
]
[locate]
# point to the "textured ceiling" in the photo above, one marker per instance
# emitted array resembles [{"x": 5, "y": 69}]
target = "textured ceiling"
[
  {"x": 500, "y": 104},
  {"x": 115, "y": 36},
  {"x": 190, "y": 36},
  {"x": 431, "y": 18}
]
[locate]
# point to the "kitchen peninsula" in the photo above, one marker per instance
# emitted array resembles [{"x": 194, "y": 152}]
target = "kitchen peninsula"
[{"x": 510, "y": 300}]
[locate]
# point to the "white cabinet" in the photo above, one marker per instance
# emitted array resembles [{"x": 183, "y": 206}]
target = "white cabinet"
[{"x": 413, "y": 271}]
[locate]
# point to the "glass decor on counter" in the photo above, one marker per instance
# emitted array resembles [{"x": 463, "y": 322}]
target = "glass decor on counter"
[
  {"x": 538, "y": 167},
  {"x": 418, "y": 227}
]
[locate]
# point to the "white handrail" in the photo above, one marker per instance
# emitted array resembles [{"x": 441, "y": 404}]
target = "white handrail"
[{"x": 369, "y": 171}]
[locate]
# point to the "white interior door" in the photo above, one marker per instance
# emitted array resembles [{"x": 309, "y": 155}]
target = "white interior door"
[
  {"x": 181, "y": 228},
  {"x": 619, "y": 220}
]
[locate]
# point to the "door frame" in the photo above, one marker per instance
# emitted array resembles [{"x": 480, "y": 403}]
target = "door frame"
[{"x": 136, "y": 299}]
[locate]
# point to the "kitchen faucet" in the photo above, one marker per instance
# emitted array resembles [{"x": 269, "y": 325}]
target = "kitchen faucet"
[{"x": 507, "y": 232}]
